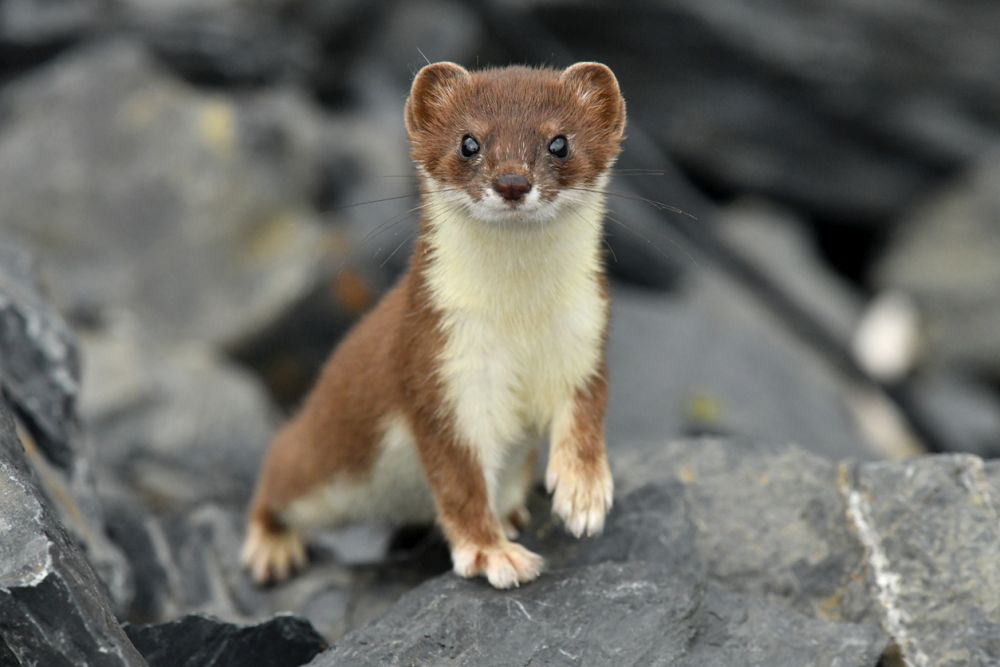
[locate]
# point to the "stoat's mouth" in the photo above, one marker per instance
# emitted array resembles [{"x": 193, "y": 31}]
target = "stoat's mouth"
[
  {"x": 487, "y": 206},
  {"x": 531, "y": 208}
]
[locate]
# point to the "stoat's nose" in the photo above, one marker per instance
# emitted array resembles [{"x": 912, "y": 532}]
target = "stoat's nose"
[{"x": 512, "y": 187}]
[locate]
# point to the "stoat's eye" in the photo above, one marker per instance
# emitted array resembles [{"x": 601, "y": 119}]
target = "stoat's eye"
[
  {"x": 559, "y": 147},
  {"x": 470, "y": 146}
]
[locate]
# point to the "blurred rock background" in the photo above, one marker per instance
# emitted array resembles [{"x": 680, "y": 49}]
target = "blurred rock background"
[{"x": 197, "y": 198}]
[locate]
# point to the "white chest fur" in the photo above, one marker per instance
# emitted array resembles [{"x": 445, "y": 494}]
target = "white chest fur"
[{"x": 524, "y": 316}]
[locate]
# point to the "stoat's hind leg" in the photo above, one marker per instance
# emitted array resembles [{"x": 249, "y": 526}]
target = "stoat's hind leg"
[
  {"x": 273, "y": 548},
  {"x": 272, "y": 551}
]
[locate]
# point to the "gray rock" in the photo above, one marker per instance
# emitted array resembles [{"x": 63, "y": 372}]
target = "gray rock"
[
  {"x": 944, "y": 256},
  {"x": 930, "y": 529},
  {"x": 142, "y": 194},
  {"x": 39, "y": 365},
  {"x": 764, "y": 521},
  {"x": 772, "y": 523},
  {"x": 624, "y": 614},
  {"x": 651, "y": 522},
  {"x": 706, "y": 360},
  {"x": 178, "y": 426},
  {"x": 771, "y": 553},
  {"x": 190, "y": 563},
  {"x": 39, "y": 373},
  {"x": 53, "y": 609},
  {"x": 202, "y": 641},
  {"x": 777, "y": 243}
]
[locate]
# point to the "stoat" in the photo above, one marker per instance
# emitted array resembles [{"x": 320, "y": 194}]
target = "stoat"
[{"x": 435, "y": 404}]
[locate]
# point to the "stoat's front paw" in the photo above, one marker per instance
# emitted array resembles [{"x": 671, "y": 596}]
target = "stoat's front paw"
[
  {"x": 582, "y": 492},
  {"x": 270, "y": 555},
  {"x": 504, "y": 564}
]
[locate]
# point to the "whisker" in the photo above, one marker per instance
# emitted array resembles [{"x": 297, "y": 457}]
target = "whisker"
[
  {"x": 401, "y": 244},
  {"x": 385, "y": 199},
  {"x": 395, "y": 220},
  {"x": 610, "y": 249},
  {"x": 597, "y": 228},
  {"x": 446, "y": 210},
  {"x": 655, "y": 247},
  {"x": 652, "y": 202},
  {"x": 609, "y": 215}
]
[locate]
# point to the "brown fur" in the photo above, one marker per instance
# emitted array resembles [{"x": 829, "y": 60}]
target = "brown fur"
[{"x": 388, "y": 362}]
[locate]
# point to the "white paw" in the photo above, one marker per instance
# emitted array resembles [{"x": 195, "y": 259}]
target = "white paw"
[
  {"x": 582, "y": 495},
  {"x": 272, "y": 556},
  {"x": 505, "y": 564}
]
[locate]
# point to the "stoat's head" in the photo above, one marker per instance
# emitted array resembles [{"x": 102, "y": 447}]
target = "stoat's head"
[{"x": 514, "y": 143}]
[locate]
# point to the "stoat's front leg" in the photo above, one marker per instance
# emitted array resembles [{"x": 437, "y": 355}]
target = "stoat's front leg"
[
  {"x": 479, "y": 545},
  {"x": 578, "y": 474}
]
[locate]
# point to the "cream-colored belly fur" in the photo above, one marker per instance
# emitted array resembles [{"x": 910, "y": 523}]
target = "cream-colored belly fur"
[{"x": 524, "y": 316}]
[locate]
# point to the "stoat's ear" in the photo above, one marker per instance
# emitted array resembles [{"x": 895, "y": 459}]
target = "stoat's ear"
[
  {"x": 596, "y": 86},
  {"x": 430, "y": 91}
]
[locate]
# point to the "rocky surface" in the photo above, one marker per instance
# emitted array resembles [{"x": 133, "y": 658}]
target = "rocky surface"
[
  {"x": 706, "y": 539},
  {"x": 731, "y": 371},
  {"x": 53, "y": 609},
  {"x": 142, "y": 194},
  {"x": 40, "y": 376},
  {"x": 940, "y": 604},
  {"x": 39, "y": 365},
  {"x": 179, "y": 426},
  {"x": 189, "y": 562},
  {"x": 779, "y": 245},
  {"x": 202, "y": 641},
  {"x": 624, "y": 614}
]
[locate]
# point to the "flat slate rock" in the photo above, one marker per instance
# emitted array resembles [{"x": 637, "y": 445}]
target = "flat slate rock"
[
  {"x": 53, "y": 609},
  {"x": 613, "y": 613},
  {"x": 763, "y": 521},
  {"x": 772, "y": 522},
  {"x": 197, "y": 640},
  {"x": 762, "y": 555}
]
